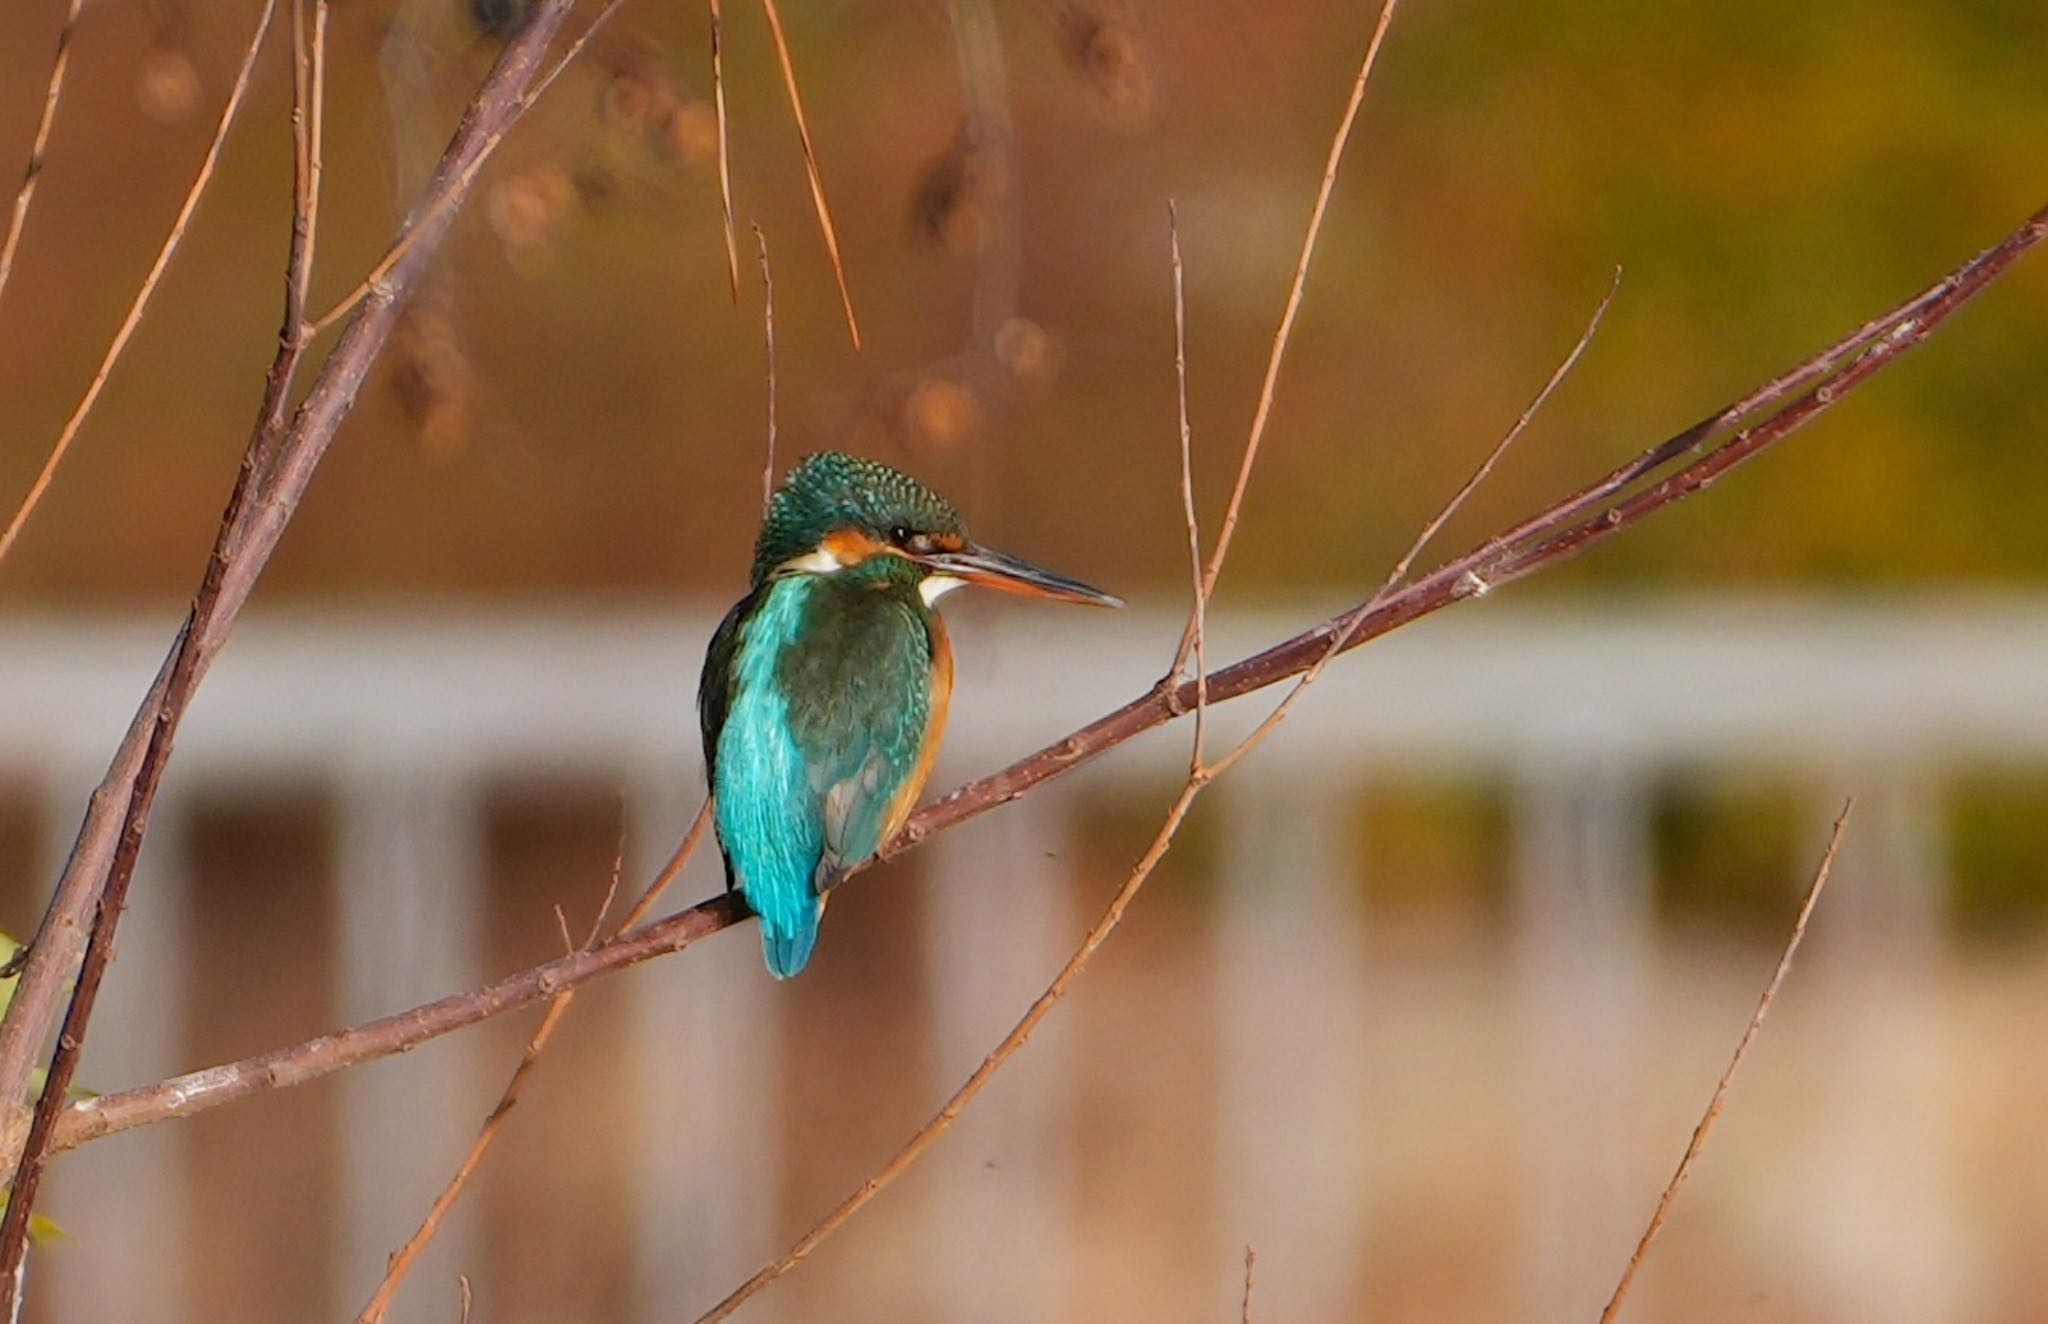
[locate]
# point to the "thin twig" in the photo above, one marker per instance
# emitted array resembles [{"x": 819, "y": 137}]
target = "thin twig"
[
  {"x": 1720, "y": 1095},
  {"x": 408, "y": 1254},
  {"x": 803, "y": 133},
  {"x": 1251, "y": 1260},
  {"x": 1561, "y": 536},
  {"x": 143, "y": 295},
  {"x": 309, "y": 97},
  {"x": 1285, "y": 331},
  {"x": 302, "y": 164},
  {"x": 1513, "y": 434},
  {"x": 316, "y": 135},
  {"x": 732, "y": 247},
  {"x": 768, "y": 334},
  {"x": 670, "y": 871},
  {"x": 1198, "y": 610},
  {"x": 33, "y": 173},
  {"x": 430, "y": 1226}
]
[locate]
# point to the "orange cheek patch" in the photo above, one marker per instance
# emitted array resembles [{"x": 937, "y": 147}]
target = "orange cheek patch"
[{"x": 850, "y": 546}]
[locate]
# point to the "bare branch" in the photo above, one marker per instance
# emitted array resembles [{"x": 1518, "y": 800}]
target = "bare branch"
[
  {"x": 1556, "y": 534},
  {"x": 1251, "y": 1260},
  {"x": 1720, "y": 1096},
  {"x": 33, "y": 173},
  {"x": 140, "y": 304},
  {"x": 300, "y": 1063},
  {"x": 106, "y": 908},
  {"x": 817, "y": 181},
  {"x": 276, "y": 467}
]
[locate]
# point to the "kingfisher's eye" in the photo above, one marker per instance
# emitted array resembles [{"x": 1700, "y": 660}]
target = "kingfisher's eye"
[{"x": 905, "y": 538}]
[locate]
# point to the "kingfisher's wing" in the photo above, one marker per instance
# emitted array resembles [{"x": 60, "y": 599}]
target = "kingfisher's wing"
[
  {"x": 865, "y": 809},
  {"x": 876, "y": 681}
]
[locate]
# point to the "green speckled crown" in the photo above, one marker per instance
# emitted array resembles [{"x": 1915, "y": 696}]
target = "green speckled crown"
[{"x": 833, "y": 490}]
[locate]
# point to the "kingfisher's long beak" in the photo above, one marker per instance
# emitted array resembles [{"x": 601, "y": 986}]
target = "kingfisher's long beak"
[{"x": 981, "y": 565}]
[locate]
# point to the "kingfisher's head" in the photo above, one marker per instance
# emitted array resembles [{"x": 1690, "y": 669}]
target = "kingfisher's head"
[{"x": 836, "y": 511}]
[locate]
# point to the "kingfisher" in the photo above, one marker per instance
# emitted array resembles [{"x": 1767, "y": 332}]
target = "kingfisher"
[{"x": 825, "y": 688}]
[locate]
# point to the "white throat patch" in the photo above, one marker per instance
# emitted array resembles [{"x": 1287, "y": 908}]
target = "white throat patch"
[
  {"x": 934, "y": 587},
  {"x": 819, "y": 562}
]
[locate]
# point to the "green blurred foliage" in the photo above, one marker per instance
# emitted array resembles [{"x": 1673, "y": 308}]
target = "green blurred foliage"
[
  {"x": 1728, "y": 845},
  {"x": 1434, "y": 845},
  {"x": 1117, "y": 826},
  {"x": 582, "y": 413},
  {"x": 2000, "y": 837}
]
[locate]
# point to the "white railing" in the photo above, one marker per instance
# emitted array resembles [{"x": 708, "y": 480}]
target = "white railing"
[{"x": 404, "y": 718}]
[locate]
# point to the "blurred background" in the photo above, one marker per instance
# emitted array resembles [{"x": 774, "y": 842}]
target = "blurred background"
[{"x": 1428, "y": 997}]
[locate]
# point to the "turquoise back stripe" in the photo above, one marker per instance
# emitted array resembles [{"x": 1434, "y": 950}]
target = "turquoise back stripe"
[{"x": 767, "y": 818}]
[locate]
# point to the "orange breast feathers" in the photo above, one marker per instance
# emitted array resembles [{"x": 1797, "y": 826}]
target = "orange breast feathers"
[{"x": 935, "y": 727}]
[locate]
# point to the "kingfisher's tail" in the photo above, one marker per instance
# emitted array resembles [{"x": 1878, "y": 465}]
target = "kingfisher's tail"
[{"x": 786, "y": 942}]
